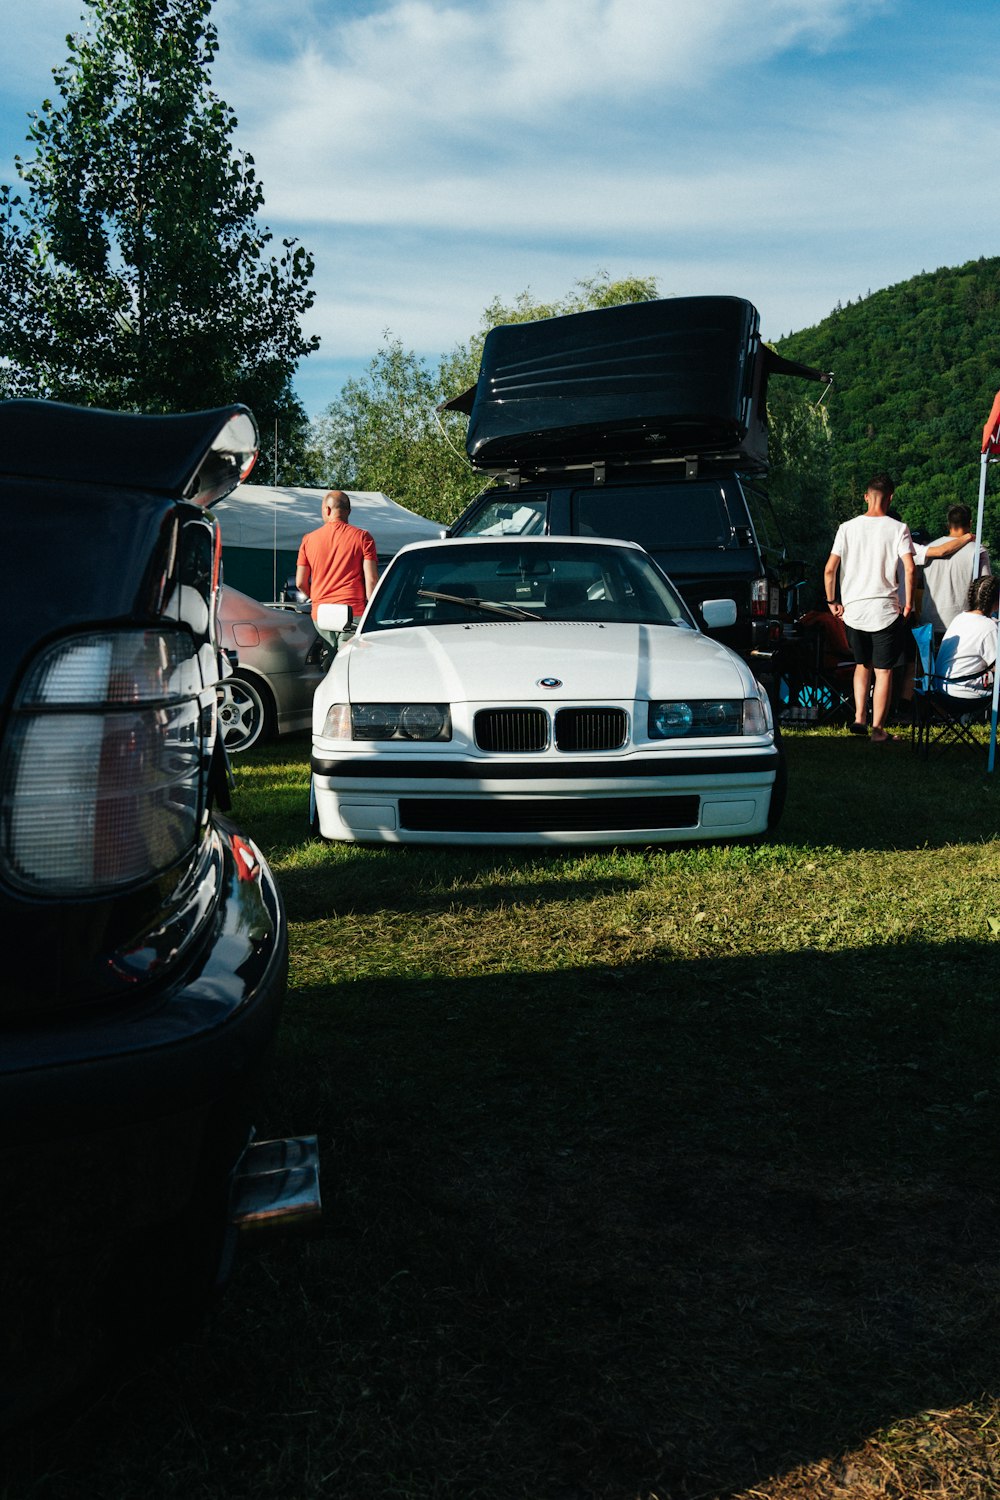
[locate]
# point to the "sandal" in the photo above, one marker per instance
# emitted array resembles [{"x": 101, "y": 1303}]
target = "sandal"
[{"x": 858, "y": 728}]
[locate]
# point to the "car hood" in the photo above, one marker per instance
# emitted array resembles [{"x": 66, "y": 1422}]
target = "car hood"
[{"x": 507, "y": 662}]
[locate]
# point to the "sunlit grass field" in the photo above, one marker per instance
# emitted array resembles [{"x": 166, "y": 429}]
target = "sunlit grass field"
[{"x": 646, "y": 1173}]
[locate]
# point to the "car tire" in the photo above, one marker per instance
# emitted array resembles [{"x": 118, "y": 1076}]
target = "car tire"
[{"x": 246, "y": 713}]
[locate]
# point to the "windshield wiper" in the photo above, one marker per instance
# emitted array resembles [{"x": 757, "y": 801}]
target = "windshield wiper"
[{"x": 490, "y": 606}]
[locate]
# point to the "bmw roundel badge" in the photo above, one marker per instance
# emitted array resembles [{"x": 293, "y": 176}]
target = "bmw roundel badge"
[{"x": 549, "y": 682}]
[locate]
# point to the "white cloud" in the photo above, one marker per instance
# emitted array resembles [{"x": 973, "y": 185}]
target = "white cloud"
[
  {"x": 435, "y": 153},
  {"x": 418, "y": 74}
]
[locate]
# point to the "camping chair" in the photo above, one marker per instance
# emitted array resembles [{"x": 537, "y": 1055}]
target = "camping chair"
[
  {"x": 817, "y": 685},
  {"x": 938, "y": 719}
]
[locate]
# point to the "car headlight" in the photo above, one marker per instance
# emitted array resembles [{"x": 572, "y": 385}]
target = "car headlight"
[
  {"x": 388, "y": 721},
  {"x": 696, "y": 718}
]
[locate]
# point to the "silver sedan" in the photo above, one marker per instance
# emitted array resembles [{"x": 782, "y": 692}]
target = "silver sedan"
[{"x": 280, "y": 659}]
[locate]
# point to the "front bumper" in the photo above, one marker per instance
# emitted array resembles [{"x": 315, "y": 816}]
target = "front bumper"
[{"x": 663, "y": 797}]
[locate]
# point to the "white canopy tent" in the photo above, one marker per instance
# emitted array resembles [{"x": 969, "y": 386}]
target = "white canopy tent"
[{"x": 262, "y": 527}]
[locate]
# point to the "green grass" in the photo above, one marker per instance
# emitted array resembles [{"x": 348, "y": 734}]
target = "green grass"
[{"x": 647, "y": 1173}]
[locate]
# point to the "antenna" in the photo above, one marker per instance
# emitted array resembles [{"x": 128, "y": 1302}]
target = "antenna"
[{"x": 274, "y": 541}]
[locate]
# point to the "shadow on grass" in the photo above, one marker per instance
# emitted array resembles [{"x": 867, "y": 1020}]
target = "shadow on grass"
[
  {"x": 479, "y": 884},
  {"x": 855, "y": 795},
  {"x": 661, "y": 1230}
]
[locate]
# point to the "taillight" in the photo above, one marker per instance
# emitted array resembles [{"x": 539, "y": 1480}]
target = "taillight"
[
  {"x": 101, "y": 782},
  {"x": 758, "y": 598}
]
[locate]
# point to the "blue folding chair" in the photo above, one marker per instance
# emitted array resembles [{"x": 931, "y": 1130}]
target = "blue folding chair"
[{"x": 923, "y": 636}]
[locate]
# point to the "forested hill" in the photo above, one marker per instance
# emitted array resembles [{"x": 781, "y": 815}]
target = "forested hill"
[{"x": 916, "y": 368}]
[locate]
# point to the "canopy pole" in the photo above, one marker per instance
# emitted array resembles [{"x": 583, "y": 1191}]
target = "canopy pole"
[
  {"x": 984, "y": 460},
  {"x": 990, "y": 449},
  {"x": 991, "y": 759}
]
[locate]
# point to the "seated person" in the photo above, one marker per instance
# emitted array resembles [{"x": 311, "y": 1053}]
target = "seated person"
[
  {"x": 967, "y": 655},
  {"x": 835, "y": 648}
]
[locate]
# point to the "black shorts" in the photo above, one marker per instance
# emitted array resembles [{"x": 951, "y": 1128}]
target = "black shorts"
[{"x": 882, "y": 649}]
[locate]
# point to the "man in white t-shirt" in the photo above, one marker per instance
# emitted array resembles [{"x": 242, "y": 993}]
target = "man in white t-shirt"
[{"x": 866, "y": 552}]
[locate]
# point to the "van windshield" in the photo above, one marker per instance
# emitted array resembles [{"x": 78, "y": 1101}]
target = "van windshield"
[
  {"x": 674, "y": 517},
  {"x": 511, "y": 515}
]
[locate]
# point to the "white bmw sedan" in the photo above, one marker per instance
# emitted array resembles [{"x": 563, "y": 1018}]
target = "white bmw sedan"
[{"x": 540, "y": 690}]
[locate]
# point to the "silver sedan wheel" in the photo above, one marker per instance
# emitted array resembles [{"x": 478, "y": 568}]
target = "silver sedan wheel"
[{"x": 246, "y": 714}]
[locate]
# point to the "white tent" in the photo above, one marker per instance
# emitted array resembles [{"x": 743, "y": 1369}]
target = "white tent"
[{"x": 262, "y": 527}]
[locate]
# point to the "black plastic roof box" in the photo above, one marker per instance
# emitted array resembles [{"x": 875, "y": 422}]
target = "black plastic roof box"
[{"x": 684, "y": 376}]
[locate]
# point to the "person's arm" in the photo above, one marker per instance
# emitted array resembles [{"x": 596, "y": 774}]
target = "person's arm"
[
  {"x": 909, "y": 578},
  {"x": 830, "y": 580},
  {"x": 949, "y": 548},
  {"x": 371, "y": 575},
  {"x": 303, "y": 577}
]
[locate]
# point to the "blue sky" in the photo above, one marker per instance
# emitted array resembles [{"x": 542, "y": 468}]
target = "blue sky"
[{"x": 434, "y": 154}]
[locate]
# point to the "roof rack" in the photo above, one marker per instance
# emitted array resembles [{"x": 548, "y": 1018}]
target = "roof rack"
[{"x": 693, "y": 465}]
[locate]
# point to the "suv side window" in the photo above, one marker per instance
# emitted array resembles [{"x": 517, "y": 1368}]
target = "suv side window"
[
  {"x": 510, "y": 515},
  {"x": 697, "y": 514}
]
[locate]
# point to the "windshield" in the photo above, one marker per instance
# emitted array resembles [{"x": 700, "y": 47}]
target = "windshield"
[
  {"x": 551, "y": 580},
  {"x": 510, "y": 515},
  {"x": 696, "y": 514}
]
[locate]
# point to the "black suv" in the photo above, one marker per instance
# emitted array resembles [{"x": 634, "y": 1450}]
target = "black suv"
[
  {"x": 144, "y": 942},
  {"x": 646, "y": 422}
]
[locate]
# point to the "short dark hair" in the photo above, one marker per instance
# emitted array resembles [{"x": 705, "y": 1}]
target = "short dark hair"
[
  {"x": 959, "y": 516},
  {"x": 881, "y": 484}
]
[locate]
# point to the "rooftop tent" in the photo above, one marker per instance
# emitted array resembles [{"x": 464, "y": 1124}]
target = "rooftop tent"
[
  {"x": 263, "y": 526},
  {"x": 677, "y": 377}
]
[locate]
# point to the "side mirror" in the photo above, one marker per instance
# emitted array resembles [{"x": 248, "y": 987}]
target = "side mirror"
[
  {"x": 292, "y": 594},
  {"x": 335, "y": 616},
  {"x": 718, "y": 613}
]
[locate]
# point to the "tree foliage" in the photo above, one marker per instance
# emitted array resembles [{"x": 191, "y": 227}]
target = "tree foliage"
[
  {"x": 383, "y": 432},
  {"x": 916, "y": 370},
  {"x": 133, "y": 270},
  {"x": 799, "y": 479}
]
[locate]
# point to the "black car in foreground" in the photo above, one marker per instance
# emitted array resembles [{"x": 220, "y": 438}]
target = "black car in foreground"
[{"x": 143, "y": 946}]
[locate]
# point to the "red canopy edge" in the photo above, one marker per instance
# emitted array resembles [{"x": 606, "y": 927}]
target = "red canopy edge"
[{"x": 991, "y": 432}]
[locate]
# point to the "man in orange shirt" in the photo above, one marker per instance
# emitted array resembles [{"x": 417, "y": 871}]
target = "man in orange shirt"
[{"x": 337, "y": 563}]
